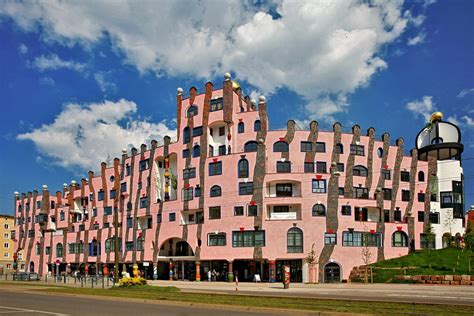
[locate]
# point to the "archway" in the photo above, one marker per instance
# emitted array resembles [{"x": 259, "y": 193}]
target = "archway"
[
  {"x": 32, "y": 267},
  {"x": 176, "y": 260},
  {"x": 332, "y": 273}
]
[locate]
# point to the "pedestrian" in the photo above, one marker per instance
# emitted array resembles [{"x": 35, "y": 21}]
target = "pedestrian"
[
  {"x": 214, "y": 275},
  {"x": 209, "y": 275}
]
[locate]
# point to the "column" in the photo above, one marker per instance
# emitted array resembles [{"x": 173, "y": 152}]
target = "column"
[
  {"x": 198, "y": 271},
  {"x": 155, "y": 270},
  {"x": 182, "y": 270},
  {"x": 272, "y": 271},
  {"x": 230, "y": 272}
]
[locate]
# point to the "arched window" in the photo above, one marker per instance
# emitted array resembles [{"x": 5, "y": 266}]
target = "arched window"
[
  {"x": 215, "y": 191},
  {"x": 399, "y": 239},
  {"x": 380, "y": 152},
  {"x": 243, "y": 168},
  {"x": 192, "y": 111},
  {"x": 281, "y": 147},
  {"x": 37, "y": 249},
  {"x": 59, "y": 250},
  {"x": 241, "y": 127},
  {"x": 186, "y": 135},
  {"x": 437, "y": 140},
  {"x": 360, "y": 171},
  {"x": 339, "y": 148},
  {"x": 250, "y": 146},
  {"x": 295, "y": 240},
  {"x": 319, "y": 210},
  {"x": 196, "y": 151},
  {"x": 257, "y": 126},
  {"x": 109, "y": 243},
  {"x": 421, "y": 176},
  {"x": 140, "y": 244}
]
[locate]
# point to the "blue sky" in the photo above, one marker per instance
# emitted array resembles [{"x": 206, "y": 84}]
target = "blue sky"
[{"x": 80, "y": 81}]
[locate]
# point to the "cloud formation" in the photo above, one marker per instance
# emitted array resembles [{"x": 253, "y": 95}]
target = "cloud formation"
[
  {"x": 420, "y": 38},
  {"x": 84, "y": 135},
  {"x": 322, "y": 50},
  {"x": 422, "y": 108},
  {"x": 465, "y": 92},
  {"x": 53, "y": 62}
]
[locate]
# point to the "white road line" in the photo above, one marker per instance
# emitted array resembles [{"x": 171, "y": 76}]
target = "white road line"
[
  {"x": 16, "y": 309},
  {"x": 434, "y": 296}
]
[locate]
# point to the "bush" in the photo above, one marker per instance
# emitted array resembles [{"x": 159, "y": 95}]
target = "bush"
[{"x": 132, "y": 281}]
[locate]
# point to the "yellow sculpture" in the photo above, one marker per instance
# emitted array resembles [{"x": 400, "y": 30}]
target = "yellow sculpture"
[
  {"x": 235, "y": 85},
  {"x": 436, "y": 116}
]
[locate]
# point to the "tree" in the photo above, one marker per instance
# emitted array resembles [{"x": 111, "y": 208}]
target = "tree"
[
  {"x": 469, "y": 236},
  {"x": 449, "y": 221},
  {"x": 430, "y": 239},
  {"x": 366, "y": 255},
  {"x": 312, "y": 260}
]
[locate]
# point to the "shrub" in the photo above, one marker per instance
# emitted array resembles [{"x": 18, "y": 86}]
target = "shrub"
[{"x": 132, "y": 281}]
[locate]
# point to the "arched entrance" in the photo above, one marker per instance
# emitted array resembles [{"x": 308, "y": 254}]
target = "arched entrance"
[
  {"x": 32, "y": 267},
  {"x": 176, "y": 260},
  {"x": 332, "y": 273}
]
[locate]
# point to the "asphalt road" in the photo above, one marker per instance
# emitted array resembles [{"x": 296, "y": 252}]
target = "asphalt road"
[{"x": 26, "y": 303}]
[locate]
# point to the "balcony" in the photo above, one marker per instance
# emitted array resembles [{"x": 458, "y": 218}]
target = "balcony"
[
  {"x": 284, "y": 212},
  {"x": 283, "y": 189}
]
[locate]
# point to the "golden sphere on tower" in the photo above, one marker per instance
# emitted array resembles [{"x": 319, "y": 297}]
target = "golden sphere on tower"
[
  {"x": 436, "y": 116},
  {"x": 235, "y": 85}
]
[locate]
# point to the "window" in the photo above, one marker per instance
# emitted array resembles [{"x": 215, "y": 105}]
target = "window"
[
  {"x": 360, "y": 171},
  {"x": 186, "y": 153},
  {"x": 215, "y": 212},
  {"x": 6, "y": 245},
  {"x": 294, "y": 240},
  {"x": 283, "y": 166},
  {"x": 143, "y": 202},
  {"x": 321, "y": 167},
  {"x": 241, "y": 128},
  {"x": 243, "y": 168},
  {"x": 218, "y": 239},
  {"x": 281, "y": 209},
  {"x": 159, "y": 218},
  {"x": 250, "y": 238},
  {"x": 199, "y": 217},
  {"x": 62, "y": 216},
  {"x": 192, "y": 111},
  {"x": 360, "y": 193},
  {"x": 47, "y": 250},
  {"x": 361, "y": 214},
  {"x": 222, "y": 131},
  {"x": 37, "y": 249},
  {"x": 340, "y": 167},
  {"x": 357, "y": 150},
  {"x": 197, "y": 131},
  {"x": 397, "y": 215},
  {"x": 385, "y": 174},
  {"x": 387, "y": 194},
  {"x": 187, "y": 194},
  {"x": 257, "y": 126},
  {"x": 189, "y": 173},
  {"x": 222, "y": 150},
  {"x": 123, "y": 187},
  {"x": 319, "y": 210},
  {"x": 31, "y": 233},
  {"x": 238, "y": 210},
  {"x": 319, "y": 186},
  {"x": 320, "y": 147},
  {"x": 399, "y": 239},
  {"x": 197, "y": 191},
  {"x": 100, "y": 196},
  {"x": 113, "y": 194},
  {"x": 250, "y": 146},
  {"x": 82, "y": 227},
  {"x": 421, "y": 216},
  {"x": 215, "y": 191},
  {"x": 309, "y": 167},
  {"x": 129, "y": 222},
  {"x": 284, "y": 189},
  {"x": 59, "y": 250},
  {"x": 215, "y": 168},
  {"x": 140, "y": 244},
  {"x": 446, "y": 199},
  {"x": 359, "y": 239},
  {"x": 330, "y": 239},
  {"x": 110, "y": 245},
  {"x": 216, "y": 105},
  {"x": 339, "y": 148},
  {"x": 245, "y": 188},
  {"x": 405, "y": 176},
  {"x": 186, "y": 135},
  {"x": 346, "y": 210},
  {"x": 434, "y": 218},
  {"x": 281, "y": 147},
  {"x": 421, "y": 176},
  {"x": 128, "y": 169},
  {"x": 425, "y": 243},
  {"x": 129, "y": 246},
  {"x": 386, "y": 216},
  {"x": 172, "y": 217},
  {"x": 380, "y": 152},
  {"x": 406, "y": 195},
  {"x": 196, "y": 151},
  {"x": 437, "y": 140},
  {"x": 143, "y": 165},
  {"x": 306, "y": 146},
  {"x": 252, "y": 210}
]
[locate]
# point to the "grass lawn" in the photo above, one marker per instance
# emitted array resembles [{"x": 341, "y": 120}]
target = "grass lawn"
[
  {"x": 442, "y": 263},
  {"x": 173, "y": 294}
]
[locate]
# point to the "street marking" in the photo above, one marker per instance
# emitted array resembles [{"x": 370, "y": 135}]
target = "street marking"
[
  {"x": 433, "y": 296},
  {"x": 19, "y": 310}
]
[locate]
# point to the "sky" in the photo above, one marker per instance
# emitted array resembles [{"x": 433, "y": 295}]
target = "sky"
[{"x": 81, "y": 80}]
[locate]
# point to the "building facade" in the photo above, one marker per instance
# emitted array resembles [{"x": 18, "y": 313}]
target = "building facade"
[
  {"x": 230, "y": 196},
  {"x": 7, "y": 246}
]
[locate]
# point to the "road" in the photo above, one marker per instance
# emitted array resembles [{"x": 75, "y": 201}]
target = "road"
[{"x": 26, "y": 303}]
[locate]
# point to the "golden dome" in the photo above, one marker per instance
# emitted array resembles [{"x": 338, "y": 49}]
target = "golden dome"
[
  {"x": 436, "y": 116},
  {"x": 235, "y": 85}
]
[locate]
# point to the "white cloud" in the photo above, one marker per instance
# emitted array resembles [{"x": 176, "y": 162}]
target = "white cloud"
[
  {"x": 104, "y": 82},
  {"x": 454, "y": 119},
  {"x": 465, "y": 92},
  {"x": 468, "y": 121},
  {"x": 420, "y": 38},
  {"x": 23, "y": 49},
  {"x": 423, "y": 107},
  {"x": 53, "y": 62},
  {"x": 47, "y": 81},
  {"x": 322, "y": 50},
  {"x": 83, "y": 135}
]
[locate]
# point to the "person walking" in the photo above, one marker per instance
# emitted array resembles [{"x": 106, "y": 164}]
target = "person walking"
[{"x": 209, "y": 275}]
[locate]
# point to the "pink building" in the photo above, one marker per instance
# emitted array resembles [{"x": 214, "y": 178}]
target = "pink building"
[{"x": 231, "y": 196}]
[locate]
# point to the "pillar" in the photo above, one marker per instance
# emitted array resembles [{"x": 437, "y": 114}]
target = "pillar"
[
  {"x": 198, "y": 271},
  {"x": 171, "y": 270},
  {"x": 230, "y": 271},
  {"x": 272, "y": 271},
  {"x": 155, "y": 270}
]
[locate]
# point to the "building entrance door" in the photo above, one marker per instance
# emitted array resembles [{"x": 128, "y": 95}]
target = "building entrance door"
[{"x": 332, "y": 273}]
